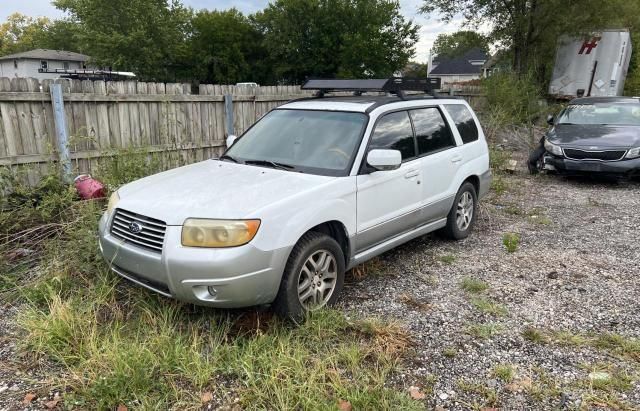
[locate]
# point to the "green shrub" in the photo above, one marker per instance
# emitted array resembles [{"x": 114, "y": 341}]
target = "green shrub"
[
  {"x": 511, "y": 241},
  {"x": 512, "y": 99}
]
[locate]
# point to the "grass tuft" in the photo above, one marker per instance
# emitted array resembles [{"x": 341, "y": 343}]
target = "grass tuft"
[
  {"x": 489, "y": 307},
  {"x": 511, "y": 242},
  {"x": 473, "y": 285},
  {"x": 504, "y": 372},
  {"x": 484, "y": 331}
]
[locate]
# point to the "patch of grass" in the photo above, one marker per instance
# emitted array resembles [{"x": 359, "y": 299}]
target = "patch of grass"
[
  {"x": 447, "y": 259},
  {"x": 489, "y": 396},
  {"x": 450, "y": 352},
  {"x": 606, "y": 401},
  {"x": 543, "y": 387},
  {"x": 511, "y": 241},
  {"x": 538, "y": 216},
  {"x": 484, "y": 331},
  {"x": 607, "y": 378},
  {"x": 499, "y": 184},
  {"x": 534, "y": 335},
  {"x": 488, "y": 306},
  {"x": 616, "y": 344},
  {"x": 504, "y": 372},
  {"x": 498, "y": 158},
  {"x": 513, "y": 209},
  {"x": 473, "y": 285}
]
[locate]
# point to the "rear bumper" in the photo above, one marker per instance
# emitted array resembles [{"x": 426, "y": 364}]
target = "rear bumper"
[
  {"x": 567, "y": 166},
  {"x": 241, "y": 276}
]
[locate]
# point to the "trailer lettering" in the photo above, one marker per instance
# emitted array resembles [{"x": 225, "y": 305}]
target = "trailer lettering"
[{"x": 589, "y": 45}]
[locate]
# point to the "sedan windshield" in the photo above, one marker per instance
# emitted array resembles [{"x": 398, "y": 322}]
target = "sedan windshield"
[
  {"x": 619, "y": 114},
  {"x": 311, "y": 141}
]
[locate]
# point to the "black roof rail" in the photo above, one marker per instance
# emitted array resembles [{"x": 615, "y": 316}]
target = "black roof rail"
[{"x": 393, "y": 85}]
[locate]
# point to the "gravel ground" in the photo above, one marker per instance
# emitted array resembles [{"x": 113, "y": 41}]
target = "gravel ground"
[{"x": 575, "y": 271}]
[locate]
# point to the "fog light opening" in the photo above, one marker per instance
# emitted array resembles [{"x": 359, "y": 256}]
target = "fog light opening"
[{"x": 212, "y": 291}]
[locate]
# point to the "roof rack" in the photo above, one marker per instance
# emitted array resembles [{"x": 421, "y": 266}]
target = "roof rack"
[{"x": 393, "y": 85}]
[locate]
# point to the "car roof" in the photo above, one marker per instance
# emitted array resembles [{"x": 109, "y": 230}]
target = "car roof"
[
  {"x": 362, "y": 104},
  {"x": 592, "y": 100}
]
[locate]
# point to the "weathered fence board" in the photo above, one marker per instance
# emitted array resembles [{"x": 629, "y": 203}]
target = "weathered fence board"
[{"x": 104, "y": 117}]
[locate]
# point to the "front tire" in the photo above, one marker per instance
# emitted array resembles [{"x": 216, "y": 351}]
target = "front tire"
[
  {"x": 462, "y": 216},
  {"x": 312, "y": 278}
]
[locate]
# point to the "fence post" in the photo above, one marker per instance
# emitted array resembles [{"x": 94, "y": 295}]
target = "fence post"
[
  {"x": 228, "y": 110},
  {"x": 61, "y": 130}
]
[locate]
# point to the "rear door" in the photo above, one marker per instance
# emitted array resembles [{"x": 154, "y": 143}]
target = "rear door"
[
  {"x": 388, "y": 202},
  {"x": 439, "y": 159}
]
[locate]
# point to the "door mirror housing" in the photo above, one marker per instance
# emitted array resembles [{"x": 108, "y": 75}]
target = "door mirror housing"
[
  {"x": 231, "y": 139},
  {"x": 383, "y": 160},
  {"x": 550, "y": 119}
]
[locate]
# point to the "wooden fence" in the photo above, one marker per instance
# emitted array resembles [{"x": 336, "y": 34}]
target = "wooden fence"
[{"x": 101, "y": 118}]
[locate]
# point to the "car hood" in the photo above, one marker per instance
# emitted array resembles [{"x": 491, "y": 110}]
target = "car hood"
[
  {"x": 595, "y": 137},
  {"x": 213, "y": 189}
]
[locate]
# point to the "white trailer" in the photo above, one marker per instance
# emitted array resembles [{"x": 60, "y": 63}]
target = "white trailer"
[{"x": 595, "y": 66}]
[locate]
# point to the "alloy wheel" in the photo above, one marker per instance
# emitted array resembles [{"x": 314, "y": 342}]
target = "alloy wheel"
[{"x": 317, "y": 280}]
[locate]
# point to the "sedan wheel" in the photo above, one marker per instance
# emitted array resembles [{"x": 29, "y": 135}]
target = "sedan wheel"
[
  {"x": 317, "y": 280},
  {"x": 464, "y": 211}
]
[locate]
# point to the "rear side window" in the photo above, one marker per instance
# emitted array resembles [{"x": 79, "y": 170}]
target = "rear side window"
[
  {"x": 393, "y": 131},
  {"x": 432, "y": 132},
  {"x": 464, "y": 122}
]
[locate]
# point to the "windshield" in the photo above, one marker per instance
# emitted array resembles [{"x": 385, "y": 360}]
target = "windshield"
[
  {"x": 619, "y": 114},
  {"x": 312, "y": 141}
]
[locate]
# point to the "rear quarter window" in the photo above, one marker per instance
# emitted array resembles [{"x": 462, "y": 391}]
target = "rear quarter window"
[{"x": 464, "y": 121}]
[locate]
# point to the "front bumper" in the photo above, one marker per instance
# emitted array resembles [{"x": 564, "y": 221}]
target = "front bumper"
[
  {"x": 241, "y": 276},
  {"x": 563, "y": 165}
]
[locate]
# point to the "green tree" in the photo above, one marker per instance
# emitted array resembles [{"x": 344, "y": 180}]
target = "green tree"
[
  {"x": 147, "y": 37},
  {"x": 329, "y": 38},
  {"x": 21, "y": 33},
  {"x": 225, "y": 47},
  {"x": 453, "y": 45}
]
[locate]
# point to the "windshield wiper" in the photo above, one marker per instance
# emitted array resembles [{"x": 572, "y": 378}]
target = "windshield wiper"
[
  {"x": 271, "y": 164},
  {"x": 228, "y": 157}
]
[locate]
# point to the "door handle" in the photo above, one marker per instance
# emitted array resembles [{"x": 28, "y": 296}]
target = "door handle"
[
  {"x": 456, "y": 159},
  {"x": 411, "y": 174}
]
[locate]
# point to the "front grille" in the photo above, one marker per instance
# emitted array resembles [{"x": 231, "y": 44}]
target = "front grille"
[
  {"x": 151, "y": 236},
  {"x": 606, "y": 155}
]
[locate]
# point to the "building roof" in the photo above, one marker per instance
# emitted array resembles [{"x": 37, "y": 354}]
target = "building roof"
[
  {"x": 45, "y": 54},
  {"x": 462, "y": 65}
]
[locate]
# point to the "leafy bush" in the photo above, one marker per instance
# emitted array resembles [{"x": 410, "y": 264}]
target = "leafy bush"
[{"x": 512, "y": 99}]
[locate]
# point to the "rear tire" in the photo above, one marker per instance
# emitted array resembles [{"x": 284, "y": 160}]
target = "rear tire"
[
  {"x": 313, "y": 277},
  {"x": 462, "y": 216}
]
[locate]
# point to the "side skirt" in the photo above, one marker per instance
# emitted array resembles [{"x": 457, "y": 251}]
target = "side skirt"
[{"x": 396, "y": 241}]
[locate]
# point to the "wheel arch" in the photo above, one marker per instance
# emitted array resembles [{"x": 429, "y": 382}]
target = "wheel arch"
[{"x": 338, "y": 231}]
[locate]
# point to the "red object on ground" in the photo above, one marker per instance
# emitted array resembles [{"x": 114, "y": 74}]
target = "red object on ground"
[{"x": 88, "y": 187}]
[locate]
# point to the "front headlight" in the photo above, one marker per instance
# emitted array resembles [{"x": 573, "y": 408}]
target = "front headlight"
[
  {"x": 633, "y": 153},
  {"x": 198, "y": 232},
  {"x": 552, "y": 148},
  {"x": 113, "y": 200}
]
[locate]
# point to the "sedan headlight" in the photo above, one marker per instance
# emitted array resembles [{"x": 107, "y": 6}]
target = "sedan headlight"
[
  {"x": 552, "y": 148},
  {"x": 198, "y": 232},
  {"x": 113, "y": 201},
  {"x": 633, "y": 153}
]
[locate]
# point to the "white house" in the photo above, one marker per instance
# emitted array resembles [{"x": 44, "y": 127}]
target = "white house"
[
  {"x": 26, "y": 64},
  {"x": 465, "y": 68}
]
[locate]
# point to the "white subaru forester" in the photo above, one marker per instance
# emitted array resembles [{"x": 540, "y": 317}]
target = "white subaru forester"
[{"x": 314, "y": 188}]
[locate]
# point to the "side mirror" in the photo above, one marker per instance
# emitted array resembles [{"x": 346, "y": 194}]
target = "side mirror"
[
  {"x": 550, "y": 119},
  {"x": 230, "y": 140},
  {"x": 383, "y": 160}
]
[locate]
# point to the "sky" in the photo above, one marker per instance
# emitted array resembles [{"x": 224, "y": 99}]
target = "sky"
[{"x": 430, "y": 26}]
